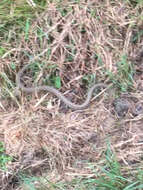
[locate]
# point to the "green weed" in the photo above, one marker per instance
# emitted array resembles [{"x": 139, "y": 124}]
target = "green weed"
[
  {"x": 27, "y": 27},
  {"x": 28, "y": 182},
  {"x": 109, "y": 177},
  {"x": 89, "y": 79},
  {"x": 56, "y": 80},
  {"x": 3, "y": 157},
  {"x": 13, "y": 19},
  {"x": 135, "y": 2},
  {"x": 137, "y": 36},
  {"x": 2, "y": 51},
  {"x": 123, "y": 79},
  {"x": 15, "y": 15},
  {"x": 52, "y": 79},
  {"x": 8, "y": 86}
]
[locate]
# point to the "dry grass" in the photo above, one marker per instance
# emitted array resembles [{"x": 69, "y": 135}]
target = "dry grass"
[{"x": 72, "y": 41}]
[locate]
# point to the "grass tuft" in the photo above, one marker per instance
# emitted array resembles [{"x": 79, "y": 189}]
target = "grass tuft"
[{"x": 123, "y": 79}]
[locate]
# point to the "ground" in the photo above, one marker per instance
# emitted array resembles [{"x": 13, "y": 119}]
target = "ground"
[{"x": 71, "y": 45}]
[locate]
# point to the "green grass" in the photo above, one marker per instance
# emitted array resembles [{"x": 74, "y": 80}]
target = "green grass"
[
  {"x": 109, "y": 176},
  {"x": 123, "y": 79},
  {"x": 4, "y": 159},
  {"x": 16, "y": 17},
  {"x": 135, "y": 2}
]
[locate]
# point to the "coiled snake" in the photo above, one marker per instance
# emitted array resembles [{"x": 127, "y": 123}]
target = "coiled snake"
[{"x": 57, "y": 93}]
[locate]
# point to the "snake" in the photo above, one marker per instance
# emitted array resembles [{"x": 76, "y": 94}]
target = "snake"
[{"x": 56, "y": 92}]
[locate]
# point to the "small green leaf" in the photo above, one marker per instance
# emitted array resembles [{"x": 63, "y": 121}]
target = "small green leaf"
[
  {"x": 13, "y": 66},
  {"x": 57, "y": 81},
  {"x": 27, "y": 26},
  {"x": 1, "y": 147},
  {"x": 2, "y": 51}
]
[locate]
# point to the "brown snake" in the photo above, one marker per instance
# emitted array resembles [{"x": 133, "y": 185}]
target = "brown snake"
[{"x": 57, "y": 93}]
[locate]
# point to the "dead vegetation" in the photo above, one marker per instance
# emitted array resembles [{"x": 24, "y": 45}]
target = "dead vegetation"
[{"x": 80, "y": 43}]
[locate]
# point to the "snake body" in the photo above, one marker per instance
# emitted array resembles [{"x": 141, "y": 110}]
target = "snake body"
[{"x": 56, "y": 92}]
